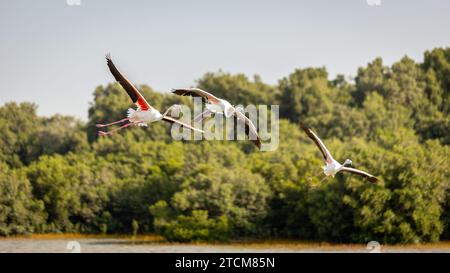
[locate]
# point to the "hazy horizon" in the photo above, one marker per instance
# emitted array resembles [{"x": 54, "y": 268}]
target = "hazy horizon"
[{"x": 53, "y": 53}]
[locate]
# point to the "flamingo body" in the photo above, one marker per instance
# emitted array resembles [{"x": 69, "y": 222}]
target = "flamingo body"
[
  {"x": 216, "y": 105},
  {"x": 143, "y": 118},
  {"x": 221, "y": 107},
  {"x": 332, "y": 168}
]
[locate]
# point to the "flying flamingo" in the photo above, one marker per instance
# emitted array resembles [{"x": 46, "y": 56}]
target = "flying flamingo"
[
  {"x": 145, "y": 113},
  {"x": 220, "y": 106},
  {"x": 332, "y": 166}
]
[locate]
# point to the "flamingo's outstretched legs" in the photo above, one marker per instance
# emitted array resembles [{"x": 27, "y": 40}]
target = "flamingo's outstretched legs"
[
  {"x": 313, "y": 186},
  {"x": 319, "y": 173},
  {"x": 323, "y": 179},
  {"x": 102, "y": 133},
  {"x": 112, "y": 123}
]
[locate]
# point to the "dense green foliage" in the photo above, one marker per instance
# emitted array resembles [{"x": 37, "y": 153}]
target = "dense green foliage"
[{"x": 56, "y": 175}]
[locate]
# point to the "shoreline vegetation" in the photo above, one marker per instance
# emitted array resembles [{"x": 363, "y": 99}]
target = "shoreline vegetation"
[
  {"x": 58, "y": 176},
  {"x": 245, "y": 242}
]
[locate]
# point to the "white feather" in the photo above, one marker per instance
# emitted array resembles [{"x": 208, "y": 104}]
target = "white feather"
[{"x": 130, "y": 113}]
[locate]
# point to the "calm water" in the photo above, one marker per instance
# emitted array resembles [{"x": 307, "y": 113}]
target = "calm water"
[
  {"x": 115, "y": 245},
  {"x": 123, "y": 245}
]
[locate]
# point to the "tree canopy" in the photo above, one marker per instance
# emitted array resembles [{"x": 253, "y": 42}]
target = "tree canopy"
[{"x": 56, "y": 175}]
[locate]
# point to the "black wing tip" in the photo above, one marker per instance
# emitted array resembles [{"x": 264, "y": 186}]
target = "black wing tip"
[
  {"x": 257, "y": 143},
  {"x": 109, "y": 61},
  {"x": 181, "y": 91},
  {"x": 372, "y": 179},
  {"x": 304, "y": 126},
  {"x": 308, "y": 131}
]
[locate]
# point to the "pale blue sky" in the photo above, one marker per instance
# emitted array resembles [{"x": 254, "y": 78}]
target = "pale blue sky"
[{"x": 53, "y": 54}]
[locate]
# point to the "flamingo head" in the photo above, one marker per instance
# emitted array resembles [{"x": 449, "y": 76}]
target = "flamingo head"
[
  {"x": 175, "y": 108},
  {"x": 347, "y": 162}
]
